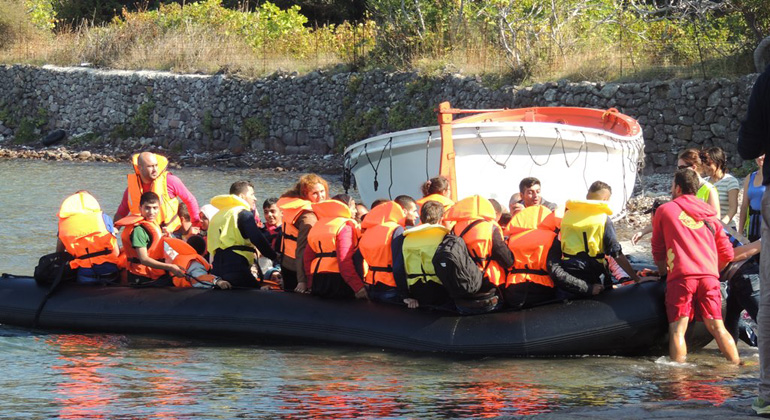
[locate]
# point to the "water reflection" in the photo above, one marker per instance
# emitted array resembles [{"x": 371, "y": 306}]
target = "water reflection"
[{"x": 83, "y": 390}]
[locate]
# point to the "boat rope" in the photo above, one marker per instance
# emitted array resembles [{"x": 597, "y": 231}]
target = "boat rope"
[
  {"x": 505, "y": 162},
  {"x": 390, "y": 164},
  {"x": 564, "y": 150},
  {"x": 427, "y": 147},
  {"x": 529, "y": 150},
  {"x": 377, "y": 168}
]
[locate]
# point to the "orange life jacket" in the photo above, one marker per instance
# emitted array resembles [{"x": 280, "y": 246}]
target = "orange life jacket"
[
  {"x": 154, "y": 251},
  {"x": 292, "y": 209},
  {"x": 167, "y": 216},
  {"x": 379, "y": 225},
  {"x": 322, "y": 238},
  {"x": 83, "y": 232},
  {"x": 528, "y": 218},
  {"x": 530, "y": 251},
  {"x": 446, "y": 201},
  {"x": 478, "y": 239},
  {"x": 182, "y": 254}
]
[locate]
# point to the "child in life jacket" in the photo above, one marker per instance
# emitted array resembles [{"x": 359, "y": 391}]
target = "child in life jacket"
[
  {"x": 143, "y": 244},
  {"x": 273, "y": 230}
]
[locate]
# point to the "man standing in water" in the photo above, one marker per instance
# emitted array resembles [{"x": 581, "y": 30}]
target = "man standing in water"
[
  {"x": 689, "y": 247},
  {"x": 753, "y": 142}
]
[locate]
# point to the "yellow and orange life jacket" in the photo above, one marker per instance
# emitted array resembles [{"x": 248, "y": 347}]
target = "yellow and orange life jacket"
[
  {"x": 83, "y": 232},
  {"x": 167, "y": 216},
  {"x": 379, "y": 225},
  {"x": 322, "y": 238}
]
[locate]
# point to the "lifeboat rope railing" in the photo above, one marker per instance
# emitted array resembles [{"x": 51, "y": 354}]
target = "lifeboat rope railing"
[
  {"x": 376, "y": 169},
  {"x": 505, "y": 162},
  {"x": 427, "y": 149}
]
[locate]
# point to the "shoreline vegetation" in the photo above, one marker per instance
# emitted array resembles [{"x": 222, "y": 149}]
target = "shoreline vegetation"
[{"x": 508, "y": 41}]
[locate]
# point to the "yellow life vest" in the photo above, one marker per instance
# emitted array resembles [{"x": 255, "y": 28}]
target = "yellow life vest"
[
  {"x": 705, "y": 190},
  {"x": 582, "y": 228},
  {"x": 420, "y": 245},
  {"x": 167, "y": 216},
  {"x": 223, "y": 230},
  {"x": 332, "y": 215},
  {"x": 83, "y": 232}
]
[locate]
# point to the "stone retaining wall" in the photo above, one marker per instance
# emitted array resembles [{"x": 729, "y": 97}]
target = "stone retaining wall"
[{"x": 320, "y": 112}]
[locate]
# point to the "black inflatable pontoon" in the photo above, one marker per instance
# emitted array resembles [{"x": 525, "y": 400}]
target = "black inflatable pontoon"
[{"x": 626, "y": 321}]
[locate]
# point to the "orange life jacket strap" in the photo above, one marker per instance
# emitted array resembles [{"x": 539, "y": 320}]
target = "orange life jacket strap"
[{"x": 388, "y": 269}]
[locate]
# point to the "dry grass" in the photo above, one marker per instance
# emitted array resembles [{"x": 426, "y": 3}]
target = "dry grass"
[{"x": 141, "y": 44}]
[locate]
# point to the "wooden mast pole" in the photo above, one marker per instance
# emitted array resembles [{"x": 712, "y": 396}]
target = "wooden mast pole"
[{"x": 447, "y": 167}]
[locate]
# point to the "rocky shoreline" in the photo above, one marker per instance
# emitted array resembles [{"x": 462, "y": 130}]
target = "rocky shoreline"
[{"x": 322, "y": 164}]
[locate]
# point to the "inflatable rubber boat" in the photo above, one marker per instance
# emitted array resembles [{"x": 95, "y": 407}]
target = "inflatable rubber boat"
[{"x": 630, "y": 320}]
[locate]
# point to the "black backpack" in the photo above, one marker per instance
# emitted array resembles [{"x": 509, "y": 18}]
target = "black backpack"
[
  {"x": 53, "y": 265},
  {"x": 455, "y": 267}
]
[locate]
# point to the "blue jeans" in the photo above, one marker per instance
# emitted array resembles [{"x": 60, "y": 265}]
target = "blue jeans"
[{"x": 384, "y": 296}]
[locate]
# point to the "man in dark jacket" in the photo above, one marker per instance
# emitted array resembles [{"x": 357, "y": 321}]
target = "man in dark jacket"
[{"x": 754, "y": 141}]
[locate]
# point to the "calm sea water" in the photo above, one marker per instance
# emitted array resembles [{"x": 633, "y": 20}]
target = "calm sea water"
[{"x": 56, "y": 375}]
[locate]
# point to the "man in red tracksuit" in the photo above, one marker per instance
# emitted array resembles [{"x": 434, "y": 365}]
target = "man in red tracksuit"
[{"x": 690, "y": 247}]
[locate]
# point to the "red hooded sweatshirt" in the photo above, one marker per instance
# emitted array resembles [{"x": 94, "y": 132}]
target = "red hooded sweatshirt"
[{"x": 681, "y": 237}]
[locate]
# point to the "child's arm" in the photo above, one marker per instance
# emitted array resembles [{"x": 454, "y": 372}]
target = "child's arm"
[
  {"x": 145, "y": 259},
  {"x": 626, "y": 266}
]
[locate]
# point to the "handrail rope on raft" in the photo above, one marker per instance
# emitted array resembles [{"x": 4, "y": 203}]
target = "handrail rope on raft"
[
  {"x": 427, "y": 148},
  {"x": 390, "y": 157},
  {"x": 504, "y": 163},
  {"x": 377, "y": 168}
]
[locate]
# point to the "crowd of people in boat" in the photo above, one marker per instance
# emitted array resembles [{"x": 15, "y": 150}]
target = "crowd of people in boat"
[{"x": 405, "y": 251}]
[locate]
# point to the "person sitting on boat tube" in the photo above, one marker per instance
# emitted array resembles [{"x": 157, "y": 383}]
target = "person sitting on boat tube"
[
  {"x": 87, "y": 234},
  {"x": 413, "y": 270},
  {"x": 298, "y": 219},
  {"x": 151, "y": 174},
  {"x": 328, "y": 258},
  {"x": 143, "y": 245},
  {"x": 475, "y": 222},
  {"x": 383, "y": 223},
  {"x": 272, "y": 229},
  {"x": 233, "y": 234},
  {"x": 437, "y": 189},
  {"x": 529, "y": 195},
  {"x": 587, "y": 235}
]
